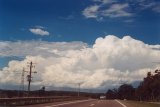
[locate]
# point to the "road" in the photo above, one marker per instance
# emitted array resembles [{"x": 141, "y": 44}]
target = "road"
[{"x": 83, "y": 103}]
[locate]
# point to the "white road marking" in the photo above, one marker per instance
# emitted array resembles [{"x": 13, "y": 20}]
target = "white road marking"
[
  {"x": 121, "y": 103},
  {"x": 68, "y": 103},
  {"x": 92, "y": 105}
]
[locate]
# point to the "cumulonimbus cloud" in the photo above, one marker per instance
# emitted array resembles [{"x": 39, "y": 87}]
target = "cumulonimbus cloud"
[{"x": 108, "y": 62}]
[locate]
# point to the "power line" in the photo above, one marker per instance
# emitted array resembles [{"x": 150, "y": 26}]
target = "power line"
[
  {"x": 29, "y": 76},
  {"x": 22, "y": 80},
  {"x": 79, "y": 86},
  {"x": 21, "y": 88}
]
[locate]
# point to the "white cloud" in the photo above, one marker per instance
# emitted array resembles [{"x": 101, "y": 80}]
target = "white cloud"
[
  {"x": 104, "y": 10},
  {"x": 109, "y": 61},
  {"x": 33, "y": 48},
  {"x": 91, "y": 11},
  {"x": 38, "y": 26},
  {"x": 157, "y": 8},
  {"x": 146, "y": 5},
  {"x": 39, "y": 31},
  {"x": 117, "y": 10},
  {"x": 105, "y": 1}
]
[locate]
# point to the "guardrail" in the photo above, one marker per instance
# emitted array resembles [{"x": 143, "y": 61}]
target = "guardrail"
[{"x": 35, "y": 100}]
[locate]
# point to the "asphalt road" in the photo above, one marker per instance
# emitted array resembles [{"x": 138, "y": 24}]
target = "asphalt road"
[{"x": 83, "y": 103}]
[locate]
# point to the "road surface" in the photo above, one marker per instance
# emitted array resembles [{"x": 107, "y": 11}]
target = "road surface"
[{"x": 83, "y": 103}]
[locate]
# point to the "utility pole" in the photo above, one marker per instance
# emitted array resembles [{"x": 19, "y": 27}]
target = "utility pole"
[
  {"x": 79, "y": 85},
  {"x": 29, "y": 76},
  {"x": 21, "y": 88},
  {"x": 22, "y": 80}
]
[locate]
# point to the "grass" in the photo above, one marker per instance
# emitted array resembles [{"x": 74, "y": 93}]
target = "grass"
[{"x": 140, "y": 104}]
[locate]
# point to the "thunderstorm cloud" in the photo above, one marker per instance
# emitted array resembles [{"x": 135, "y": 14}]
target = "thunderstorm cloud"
[{"x": 63, "y": 64}]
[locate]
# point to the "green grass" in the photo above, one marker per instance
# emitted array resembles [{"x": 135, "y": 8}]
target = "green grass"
[{"x": 140, "y": 104}]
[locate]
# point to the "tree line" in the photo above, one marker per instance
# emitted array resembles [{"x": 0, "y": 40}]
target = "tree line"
[{"x": 148, "y": 90}]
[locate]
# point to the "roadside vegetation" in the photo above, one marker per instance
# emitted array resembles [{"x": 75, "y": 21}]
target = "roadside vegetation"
[
  {"x": 140, "y": 104},
  {"x": 148, "y": 90}
]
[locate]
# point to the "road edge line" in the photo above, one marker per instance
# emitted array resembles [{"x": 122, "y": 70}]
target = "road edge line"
[
  {"x": 71, "y": 102},
  {"x": 121, "y": 103}
]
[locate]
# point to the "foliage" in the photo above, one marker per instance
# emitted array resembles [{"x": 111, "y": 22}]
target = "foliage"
[{"x": 148, "y": 90}]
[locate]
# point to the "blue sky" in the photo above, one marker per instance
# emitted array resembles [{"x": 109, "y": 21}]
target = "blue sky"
[
  {"x": 65, "y": 21},
  {"x": 59, "y": 29}
]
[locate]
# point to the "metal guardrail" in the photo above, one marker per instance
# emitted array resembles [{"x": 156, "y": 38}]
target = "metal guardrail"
[{"x": 35, "y": 100}]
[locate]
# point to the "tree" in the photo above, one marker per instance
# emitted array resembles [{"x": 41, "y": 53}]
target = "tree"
[
  {"x": 150, "y": 86},
  {"x": 111, "y": 94},
  {"x": 126, "y": 91}
]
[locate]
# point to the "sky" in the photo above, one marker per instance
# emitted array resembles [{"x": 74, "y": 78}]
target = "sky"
[{"x": 98, "y": 43}]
